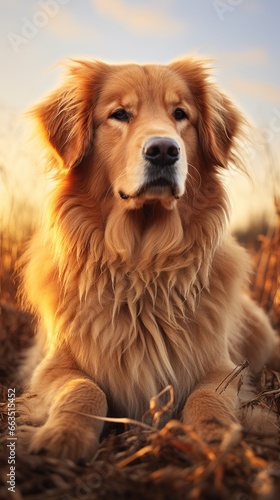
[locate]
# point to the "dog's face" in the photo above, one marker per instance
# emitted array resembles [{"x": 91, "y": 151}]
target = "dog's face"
[
  {"x": 145, "y": 134},
  {"x": 145, "y": 129}
]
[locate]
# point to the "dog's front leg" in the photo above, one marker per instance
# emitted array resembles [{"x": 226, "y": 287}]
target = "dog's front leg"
[
  {"x": 211, "y": 407},
  {"x": 62, "y": 393}
]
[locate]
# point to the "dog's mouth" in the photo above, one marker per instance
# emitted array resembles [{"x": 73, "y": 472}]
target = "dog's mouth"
[
  {"x": 158, "y": 187},
  {"x": 154, "y": 189},
  {"x": 162, "y": 191}
]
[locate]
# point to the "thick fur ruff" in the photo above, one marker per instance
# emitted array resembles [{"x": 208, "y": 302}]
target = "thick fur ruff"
[{"x": 136, "y": 283}]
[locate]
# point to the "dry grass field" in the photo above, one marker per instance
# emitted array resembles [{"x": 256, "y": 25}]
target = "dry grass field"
[{"x": 140, "y": 460}]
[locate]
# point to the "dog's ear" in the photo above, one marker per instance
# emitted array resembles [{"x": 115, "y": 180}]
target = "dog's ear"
[
  {"x": 220, "y": 123},
  {"x": 65, "y": 117}
]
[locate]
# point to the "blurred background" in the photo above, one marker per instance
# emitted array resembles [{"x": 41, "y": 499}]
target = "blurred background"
[{"x": 240, "y": 36}]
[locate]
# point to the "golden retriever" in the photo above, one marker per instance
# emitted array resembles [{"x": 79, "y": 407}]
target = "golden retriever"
[{"x": 133, "y": 276}]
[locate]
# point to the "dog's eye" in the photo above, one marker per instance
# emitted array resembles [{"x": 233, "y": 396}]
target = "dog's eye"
[
  {"x": 121, "y": 115},
  {"x": 179, "y": 114}
]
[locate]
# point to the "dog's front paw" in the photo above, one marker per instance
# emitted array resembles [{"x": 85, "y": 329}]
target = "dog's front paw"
[
  {"x": 64, "y": 442},
  {"x": 211, "y": 431}
]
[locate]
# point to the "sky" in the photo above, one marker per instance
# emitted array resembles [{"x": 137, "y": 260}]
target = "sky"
[{"x": 240, "y": 36}]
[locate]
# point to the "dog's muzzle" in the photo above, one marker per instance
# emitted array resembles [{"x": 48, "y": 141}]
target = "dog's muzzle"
[
  {"x": 160, "y": 155},
  {"x": 160, "y": 178}
]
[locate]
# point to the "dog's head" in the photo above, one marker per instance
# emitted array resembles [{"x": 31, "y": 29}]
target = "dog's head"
[{"x": 141, "y": 130}]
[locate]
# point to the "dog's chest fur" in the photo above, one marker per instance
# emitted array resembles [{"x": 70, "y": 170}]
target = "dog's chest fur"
[{"x": 142, "y": 336}]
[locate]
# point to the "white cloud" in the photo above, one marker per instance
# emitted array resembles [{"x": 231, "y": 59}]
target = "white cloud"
[{"x": 139, "y": 18}]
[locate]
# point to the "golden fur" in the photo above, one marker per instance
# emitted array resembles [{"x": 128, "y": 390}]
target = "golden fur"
[{"x": 137, "y": 287}]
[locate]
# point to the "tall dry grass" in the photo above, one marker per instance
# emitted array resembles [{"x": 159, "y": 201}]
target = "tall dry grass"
[{"x": 18, "y": 219}]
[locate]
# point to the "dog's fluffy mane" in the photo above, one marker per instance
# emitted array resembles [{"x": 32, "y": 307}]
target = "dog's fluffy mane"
[{"x": 123, "y": 282}]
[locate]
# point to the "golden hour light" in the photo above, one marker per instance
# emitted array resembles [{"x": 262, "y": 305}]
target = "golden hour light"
[{"x": 140, "y": 249}]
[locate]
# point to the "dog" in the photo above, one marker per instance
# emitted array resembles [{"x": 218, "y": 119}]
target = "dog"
[{"x": 133, "y": 276}]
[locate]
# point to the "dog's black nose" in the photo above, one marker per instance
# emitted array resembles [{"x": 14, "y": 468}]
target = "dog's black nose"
[{"x": 161, "y": 151}]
